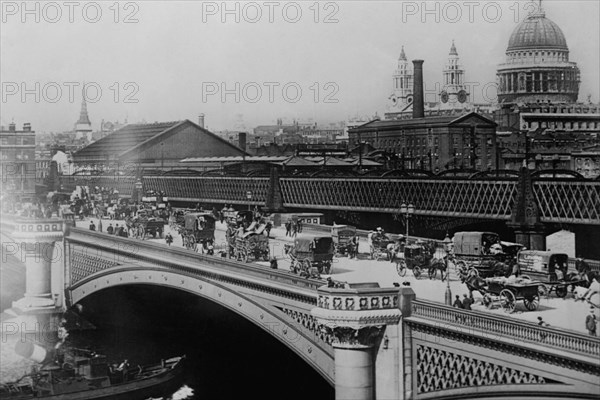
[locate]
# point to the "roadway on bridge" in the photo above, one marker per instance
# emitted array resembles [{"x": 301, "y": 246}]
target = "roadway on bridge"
[{"x": 562, "y": 313}]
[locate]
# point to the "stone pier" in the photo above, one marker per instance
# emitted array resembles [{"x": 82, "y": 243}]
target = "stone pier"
[{"x": 357, "y": 318}]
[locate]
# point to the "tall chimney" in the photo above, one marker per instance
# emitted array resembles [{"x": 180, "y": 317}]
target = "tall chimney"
[
  {"x": 242, "y": 140},
  {"x": 418, "y": 104},
  {"x": 201, "y": 120}
]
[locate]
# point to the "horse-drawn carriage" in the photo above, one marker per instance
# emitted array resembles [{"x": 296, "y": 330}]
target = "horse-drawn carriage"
[
  {"x": 251, "y": 244},
  {"x": 551, "y": 270},
  {"x": 419, "y": 257},
  {"x": 507, "y": 292},
  {"x": 344, "y": 240},
  {"x": 198, "y": 228},
  {"x": 310, "y": 255},
  {"x": 142, "y": 225},
  {"x": 476, "y": 251},
  {"x": 380, "y": 246}
]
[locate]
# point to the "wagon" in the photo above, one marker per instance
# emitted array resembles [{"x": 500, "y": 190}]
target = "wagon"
[
  {"x": 551, "y": 269},
  {"x": 473, "y": 251},
  {"x": 500, "y": 290},
  {"x": 344, "y": 240},
  {"x": 251, "y": 244},
  {"x": 198, "y": 228},
  {"x": 311, "y": 255}
]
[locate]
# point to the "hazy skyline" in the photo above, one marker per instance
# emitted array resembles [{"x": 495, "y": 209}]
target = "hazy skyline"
[{"x": 176, "y": 59}]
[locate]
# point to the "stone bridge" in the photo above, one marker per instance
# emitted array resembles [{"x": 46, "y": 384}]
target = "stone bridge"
[{"x": 368, "y": 342}]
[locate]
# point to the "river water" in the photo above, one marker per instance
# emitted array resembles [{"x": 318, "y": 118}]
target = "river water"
[{"x": 227, "y": 357}]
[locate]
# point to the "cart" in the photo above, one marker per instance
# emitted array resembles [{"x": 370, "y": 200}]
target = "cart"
[
  {"x": 251, "y": 244},
  {"x": 507, "y": 293},
  {"x": 551, "y": 270},
  {"x": 344, "y": 241},
  {"x": 198, "y": 228},
  {"x": 310, "y": 255}
]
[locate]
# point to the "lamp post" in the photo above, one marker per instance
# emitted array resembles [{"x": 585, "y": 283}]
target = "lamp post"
[
  {"x": 448, "y": 296},
  {"x": 407, "y": 211},
  {"x": 249, "y": 197},
  {"x": 139, "y": 187}
]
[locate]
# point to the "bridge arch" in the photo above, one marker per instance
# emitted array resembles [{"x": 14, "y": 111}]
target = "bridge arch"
[{"x": 270, "y": 319}]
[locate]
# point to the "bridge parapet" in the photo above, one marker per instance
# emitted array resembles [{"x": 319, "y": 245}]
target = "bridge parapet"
[{"x": 500, "y": 327}]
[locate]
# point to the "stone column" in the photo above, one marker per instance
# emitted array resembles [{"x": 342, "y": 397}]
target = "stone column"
[
  {"x": 36, "y": 249},
  {"x": 356, "y": 320}
]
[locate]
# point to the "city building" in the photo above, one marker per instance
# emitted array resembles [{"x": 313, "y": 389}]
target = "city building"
[
  {"x": 537, "y": 66},
  {"x": 159, "y": 145},
  {"x": 540, "y": 121},
  {"x": 17, "y": 164},
  {"x": 451, "y": 95},
  {"x": 433, "y": 143}
]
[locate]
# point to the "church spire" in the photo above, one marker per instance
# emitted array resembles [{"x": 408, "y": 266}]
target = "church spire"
[
  {"x": 453, "y": 51},
  {"x": 84, "y": 119},
  {"x": 402, "y": 55}
]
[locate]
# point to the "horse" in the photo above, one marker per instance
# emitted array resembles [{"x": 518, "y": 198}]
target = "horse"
[
  {"x": 474, "y": 283},
  {"x": 590, "y": 294},
  {"x": 438, "y": 264}
]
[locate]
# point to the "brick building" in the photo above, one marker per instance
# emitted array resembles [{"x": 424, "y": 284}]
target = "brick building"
[{"x": 17, "y": 164}]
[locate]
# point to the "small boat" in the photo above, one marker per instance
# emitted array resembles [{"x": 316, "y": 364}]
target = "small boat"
[{"x": 85, "y": 375}]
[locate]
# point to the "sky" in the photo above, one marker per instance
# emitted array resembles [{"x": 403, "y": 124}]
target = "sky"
[{"x": 244, "y": 64}]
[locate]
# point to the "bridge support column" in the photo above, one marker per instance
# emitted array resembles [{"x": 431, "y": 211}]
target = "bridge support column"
[
  {"x": 525, "y": 218},
  {"x": 36, "y": 242},
  {"x": 356, "y": 319}
]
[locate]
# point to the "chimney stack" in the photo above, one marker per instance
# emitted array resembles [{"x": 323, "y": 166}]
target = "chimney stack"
[
  {"x": 201, "y": 120},
  {"x": 12, "y": 127},
  {"x": 242, "y": 141},
  {"x": 418, "y": 101},
  {"x": 27, "y": 127}
]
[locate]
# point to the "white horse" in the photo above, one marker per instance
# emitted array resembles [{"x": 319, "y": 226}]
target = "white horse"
[{"x": 591, "y": 294}]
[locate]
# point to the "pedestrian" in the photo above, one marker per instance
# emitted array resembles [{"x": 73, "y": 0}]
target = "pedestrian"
[
  {"x": 299, "y": 226},
  {"x": 288, "y": 228},
  {"x": 268, "y": 229},
  {"x": 169, "y": 238},
  {"x": 590, "y": 322},
  {"x": 100, "y": 225},
  {"x": 110, "y": 229},
  {"x": 273, "y": 263},
  {"x": 92, "y": 226},
  {"x": 541, "y": 322},
  {"x": 467, "y": 301},
  {"x": 457, "y": 303}
]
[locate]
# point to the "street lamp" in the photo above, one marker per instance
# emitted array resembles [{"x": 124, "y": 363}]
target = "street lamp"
[
  {"x": 249, "y": 197},
  {"x": 139, "y": 187},
  {"x": 447, "y": 243},
  {"x": 407, "y": 211}
]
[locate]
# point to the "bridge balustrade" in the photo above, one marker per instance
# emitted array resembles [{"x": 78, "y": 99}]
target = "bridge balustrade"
[{"x": 508, "y": 328}]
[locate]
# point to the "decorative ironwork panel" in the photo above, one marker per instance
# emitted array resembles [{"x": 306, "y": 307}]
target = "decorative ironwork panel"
[
  {"x": 572, "y": 202},
  {"x": 487, "y": 199},
  {"x": 84, "y": 265},
  {"x": 218, "y": 189},
  {"x": 438, "y": 369},
  {"x": 310, "y": 323}
]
